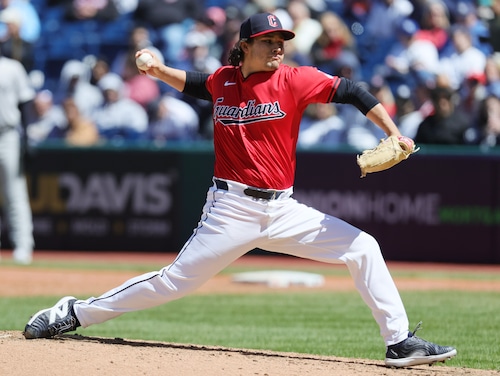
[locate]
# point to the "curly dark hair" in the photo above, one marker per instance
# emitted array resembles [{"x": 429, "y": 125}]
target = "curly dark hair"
[{"x": 236, "y": 55}]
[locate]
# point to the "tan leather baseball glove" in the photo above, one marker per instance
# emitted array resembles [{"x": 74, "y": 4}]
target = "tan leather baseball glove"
[{"x": 388, "y": 153}]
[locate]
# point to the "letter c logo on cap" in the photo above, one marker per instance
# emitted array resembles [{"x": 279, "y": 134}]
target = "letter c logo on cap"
[{"x": 272, "y": 20}]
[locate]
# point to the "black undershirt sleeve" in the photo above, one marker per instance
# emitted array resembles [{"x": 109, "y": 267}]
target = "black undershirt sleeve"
[
  {"x": 195, "y": 85},
  {"x": 349, "y": 92}
]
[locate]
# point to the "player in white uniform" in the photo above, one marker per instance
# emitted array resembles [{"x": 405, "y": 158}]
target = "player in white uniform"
[
  {"x": 16, "y": 107},
  {"x": 258, "y": 103}
]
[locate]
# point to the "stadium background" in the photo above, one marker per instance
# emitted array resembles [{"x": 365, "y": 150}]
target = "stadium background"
[{"x": 443, "y": 204}]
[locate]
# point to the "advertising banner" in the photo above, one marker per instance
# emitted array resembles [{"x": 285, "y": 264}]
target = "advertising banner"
[
  {"x": 105, "y": 199},
  {"x": 432, "y": 207},
  {"x": 425, "y": 209}
]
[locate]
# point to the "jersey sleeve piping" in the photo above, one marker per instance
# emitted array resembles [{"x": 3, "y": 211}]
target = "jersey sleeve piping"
[{"x": 334, "y": 90}]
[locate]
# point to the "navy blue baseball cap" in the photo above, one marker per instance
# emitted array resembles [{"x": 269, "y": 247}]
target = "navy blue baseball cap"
[{"x": 263, "y": 23}]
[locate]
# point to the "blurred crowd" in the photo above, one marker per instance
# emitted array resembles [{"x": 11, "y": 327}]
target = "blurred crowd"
[{"x": 434, "y": 65}]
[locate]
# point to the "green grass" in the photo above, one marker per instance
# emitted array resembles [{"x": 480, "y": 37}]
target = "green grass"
[
  {"x": 308, "y": 322},
  {"x": 311, "y": 322}
]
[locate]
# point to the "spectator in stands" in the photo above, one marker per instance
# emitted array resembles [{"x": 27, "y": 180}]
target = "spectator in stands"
[
  {"x": 435, "y": 24},
  {"x": 120, "y": 118},
  {"x": 494, "y": 25},
  {"x": 472, "y": 92},
  {"x": 75, "y": 82},
  {"x": 60, "y": 122},
  {"x": 410, "y": 60},
  {"x": 489, "y": 117},
  {"x": 385, "y": 16},
  {"x": 78, "y": 130},
  {"x": 99, "y": 68},
  {"x": 361, "y": 133},
  {"x": 335, "y": 41},
  {"x": 466, "y": 15},
  {"x": 321, "y": 126},
  {"x": 478, "y": 88},
  {"x": 101, "y": 10},
  {"x": 48, "y": 116},
  {"x": 210, "y": 26},
  {"x": 126, "y": 6},
  {"x": 465, "y": 60},
  {"x": 171, "y": 119},
  {"x": 348, "y": 65},
  {"x": 355, "y": 14},
  {"x": 447, "y": 125},
  {"x": 382, "y": 91},
  {"x": 408, "y": 116},
  {"x": 139, "y": 38},
  {"x": 492, "y": 69},
  {"x": 30, "y": 25},
  {"x": 170, "y": 20},
  {"x": 376, "y": 18},
  {"x": 376, "y": 31},
  {"x": 11, "y": 43},
  {"x": 306, "y": 28},
  {"x": 196, "y": 54},
  {"x": 485, "y": 102},
  {"x": 141, "y": 88},
  {"x": 216, "y": 20},
  {"x": 231, "y": 32}
]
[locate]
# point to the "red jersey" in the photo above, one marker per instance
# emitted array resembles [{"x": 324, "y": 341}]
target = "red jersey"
[{"x": 257, "y": 119}]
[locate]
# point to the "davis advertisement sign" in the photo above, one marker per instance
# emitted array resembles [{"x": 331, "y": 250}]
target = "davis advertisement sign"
[{"x": 105, "y": 200}]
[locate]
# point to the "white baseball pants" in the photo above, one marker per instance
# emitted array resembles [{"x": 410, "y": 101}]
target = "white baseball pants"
[
  {"x": 233, "y": 224},
  {"x": 14, "y": 191}
]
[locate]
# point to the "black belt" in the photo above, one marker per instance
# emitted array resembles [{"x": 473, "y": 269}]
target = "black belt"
[{"x": 264, "y": 194}]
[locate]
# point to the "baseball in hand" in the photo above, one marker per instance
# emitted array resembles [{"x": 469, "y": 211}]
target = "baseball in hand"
[
  {"x": 143, "y": 60},
  {"x": 406, "y": 143}
]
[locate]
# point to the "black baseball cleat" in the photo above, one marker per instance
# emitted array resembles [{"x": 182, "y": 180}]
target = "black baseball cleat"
[
  {"x": 414, "y": 351},
  {"x": 50, "y": 322}
]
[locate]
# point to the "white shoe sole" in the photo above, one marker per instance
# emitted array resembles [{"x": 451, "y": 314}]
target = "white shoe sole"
[{"x": 418, "y": 360}]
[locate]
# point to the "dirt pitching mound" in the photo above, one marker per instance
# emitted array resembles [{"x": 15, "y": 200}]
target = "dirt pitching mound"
[
  {"x": 89, "y": 356},
  {"x": 81, "y": 355}
]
